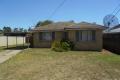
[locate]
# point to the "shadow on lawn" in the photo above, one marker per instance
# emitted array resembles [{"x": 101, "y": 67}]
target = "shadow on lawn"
[
  {"x": 16, "y": 47},
  {"x": 115, "y": 51}
]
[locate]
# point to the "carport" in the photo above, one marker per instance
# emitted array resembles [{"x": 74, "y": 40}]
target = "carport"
[{"x": 16, "y": 35}]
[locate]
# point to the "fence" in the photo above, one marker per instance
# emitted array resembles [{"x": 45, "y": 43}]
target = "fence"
[
  {"x": 111, "y": 41},
  {"x": 11, "y": 40}
]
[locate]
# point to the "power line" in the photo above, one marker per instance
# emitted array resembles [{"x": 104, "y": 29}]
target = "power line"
[
  {"x": 116, "y": 8},
  {"x": 60, "y": 5},
  {"x": 115, "y": 11},
  {"x": 115, "y": 14}
]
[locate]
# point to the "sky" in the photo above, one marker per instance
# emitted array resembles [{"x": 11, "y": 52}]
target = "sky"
[{"x": 26, "y": 13}]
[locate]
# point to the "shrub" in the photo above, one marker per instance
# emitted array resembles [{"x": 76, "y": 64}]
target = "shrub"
[
  {"x": 63, "y": 45},
  {"x": 68, "y": 43},
  {"x": 56, "y": 46}
]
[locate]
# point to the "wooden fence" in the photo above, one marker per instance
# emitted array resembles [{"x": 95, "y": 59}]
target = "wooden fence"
[{"x": 111, "y": 42}]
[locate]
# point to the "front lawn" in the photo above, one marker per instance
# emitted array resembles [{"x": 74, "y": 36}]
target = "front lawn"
[
  {"x": 14, "y": 47},
  {"x": 44, "y": 64},
  {"x": 2, "y": 48}
]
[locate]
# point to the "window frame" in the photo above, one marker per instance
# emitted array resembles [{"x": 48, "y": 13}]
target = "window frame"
[
  {"x": 65, "y": 35},
  {"x": 42, "y": 36},
  {"x": 80, "y": 35}
]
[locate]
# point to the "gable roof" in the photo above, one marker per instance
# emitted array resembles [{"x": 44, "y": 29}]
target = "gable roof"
[
  {"x": 59, "y": 26},
  {"x": 86, "y": 25}
]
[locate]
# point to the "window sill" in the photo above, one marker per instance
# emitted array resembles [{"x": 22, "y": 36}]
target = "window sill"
[
  {"x": 87, "y": 41},
  {"x": 46, "y": 40}
]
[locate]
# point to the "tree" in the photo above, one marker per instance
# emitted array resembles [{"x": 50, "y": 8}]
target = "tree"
[
  {"x": 16, "y": 30},
  {"x": 72, "y": 21},
  {"x": 1, "y": 31},
  {"x": 38, "y": 24},
  {"x": 7, "y": 29},
  {"x": 42, "y": 23},
  {"x": 25, "y": 30},
  {"x": 21, "y": 30},
  {"x": 29, "y": 29}
]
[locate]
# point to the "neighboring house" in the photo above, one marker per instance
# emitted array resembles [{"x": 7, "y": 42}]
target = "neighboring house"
[
  {"x": 114, "y": 29},
  {"x": 111, "y": 39},
  {"x": 86, "y": 36}
]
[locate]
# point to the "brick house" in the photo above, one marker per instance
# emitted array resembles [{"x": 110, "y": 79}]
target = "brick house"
[{"x": 86, "y": 36}]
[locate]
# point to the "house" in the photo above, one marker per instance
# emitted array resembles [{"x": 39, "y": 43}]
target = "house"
[
  {"x": 115, "y": 29},
  {"x": 111, "y": 39},
  {"x": 86, "y": 36}
]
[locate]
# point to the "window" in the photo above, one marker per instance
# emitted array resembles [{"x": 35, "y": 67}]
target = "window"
[
  {"x": 85, "y": 35},
  {"x": 65, "y": 35},
  {"x": 48, "y": 36}
]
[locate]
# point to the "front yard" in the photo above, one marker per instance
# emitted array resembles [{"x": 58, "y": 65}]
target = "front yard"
[
  {"x": 2, "y": 48},
  {"x": 44, "y": 64}
]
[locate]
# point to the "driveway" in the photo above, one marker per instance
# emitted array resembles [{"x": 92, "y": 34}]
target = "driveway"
[{"x": 7, "y": 54}]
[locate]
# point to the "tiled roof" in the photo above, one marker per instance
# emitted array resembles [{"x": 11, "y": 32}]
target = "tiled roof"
[{"x": 67, "y": 25}]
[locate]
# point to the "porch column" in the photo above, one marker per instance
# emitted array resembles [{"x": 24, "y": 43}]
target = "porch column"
[
  {"x": 23, "y": 41},
  {"x": 16, "y": 41},
  {"x": 7, "y": 41}
]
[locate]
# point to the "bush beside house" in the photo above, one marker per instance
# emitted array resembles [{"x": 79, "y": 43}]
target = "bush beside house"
[{"x": 63, "y": 45}]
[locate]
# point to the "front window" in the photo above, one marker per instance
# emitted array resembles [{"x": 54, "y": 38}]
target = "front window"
[
  {"x": 85, "y": 35},
  {"x": 45, "y": 36},
  {"x": 65, "y": 35}
]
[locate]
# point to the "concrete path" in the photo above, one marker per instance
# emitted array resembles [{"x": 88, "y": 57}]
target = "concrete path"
[{"x": 7, "y": 54}]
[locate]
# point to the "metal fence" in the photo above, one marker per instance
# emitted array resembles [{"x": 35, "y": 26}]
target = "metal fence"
[{"x": 111, "y": 42}]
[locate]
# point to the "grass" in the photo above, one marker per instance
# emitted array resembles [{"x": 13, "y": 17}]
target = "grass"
[
  {"x": 2, "y": 48},
  {"x": 13, "y": 47},
  {"x": 44, "y": 64}
]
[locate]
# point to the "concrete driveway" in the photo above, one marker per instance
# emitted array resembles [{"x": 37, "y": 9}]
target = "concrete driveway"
[{"x": 7, "y": 54}]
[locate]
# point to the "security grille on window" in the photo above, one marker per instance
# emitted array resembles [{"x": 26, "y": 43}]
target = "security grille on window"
[
  {"x": 48, "y": 36},
  {"x": 85, "y": 35}
]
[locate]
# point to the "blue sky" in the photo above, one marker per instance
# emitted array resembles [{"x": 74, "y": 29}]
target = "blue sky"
[{"x": 25, "y": 13}]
